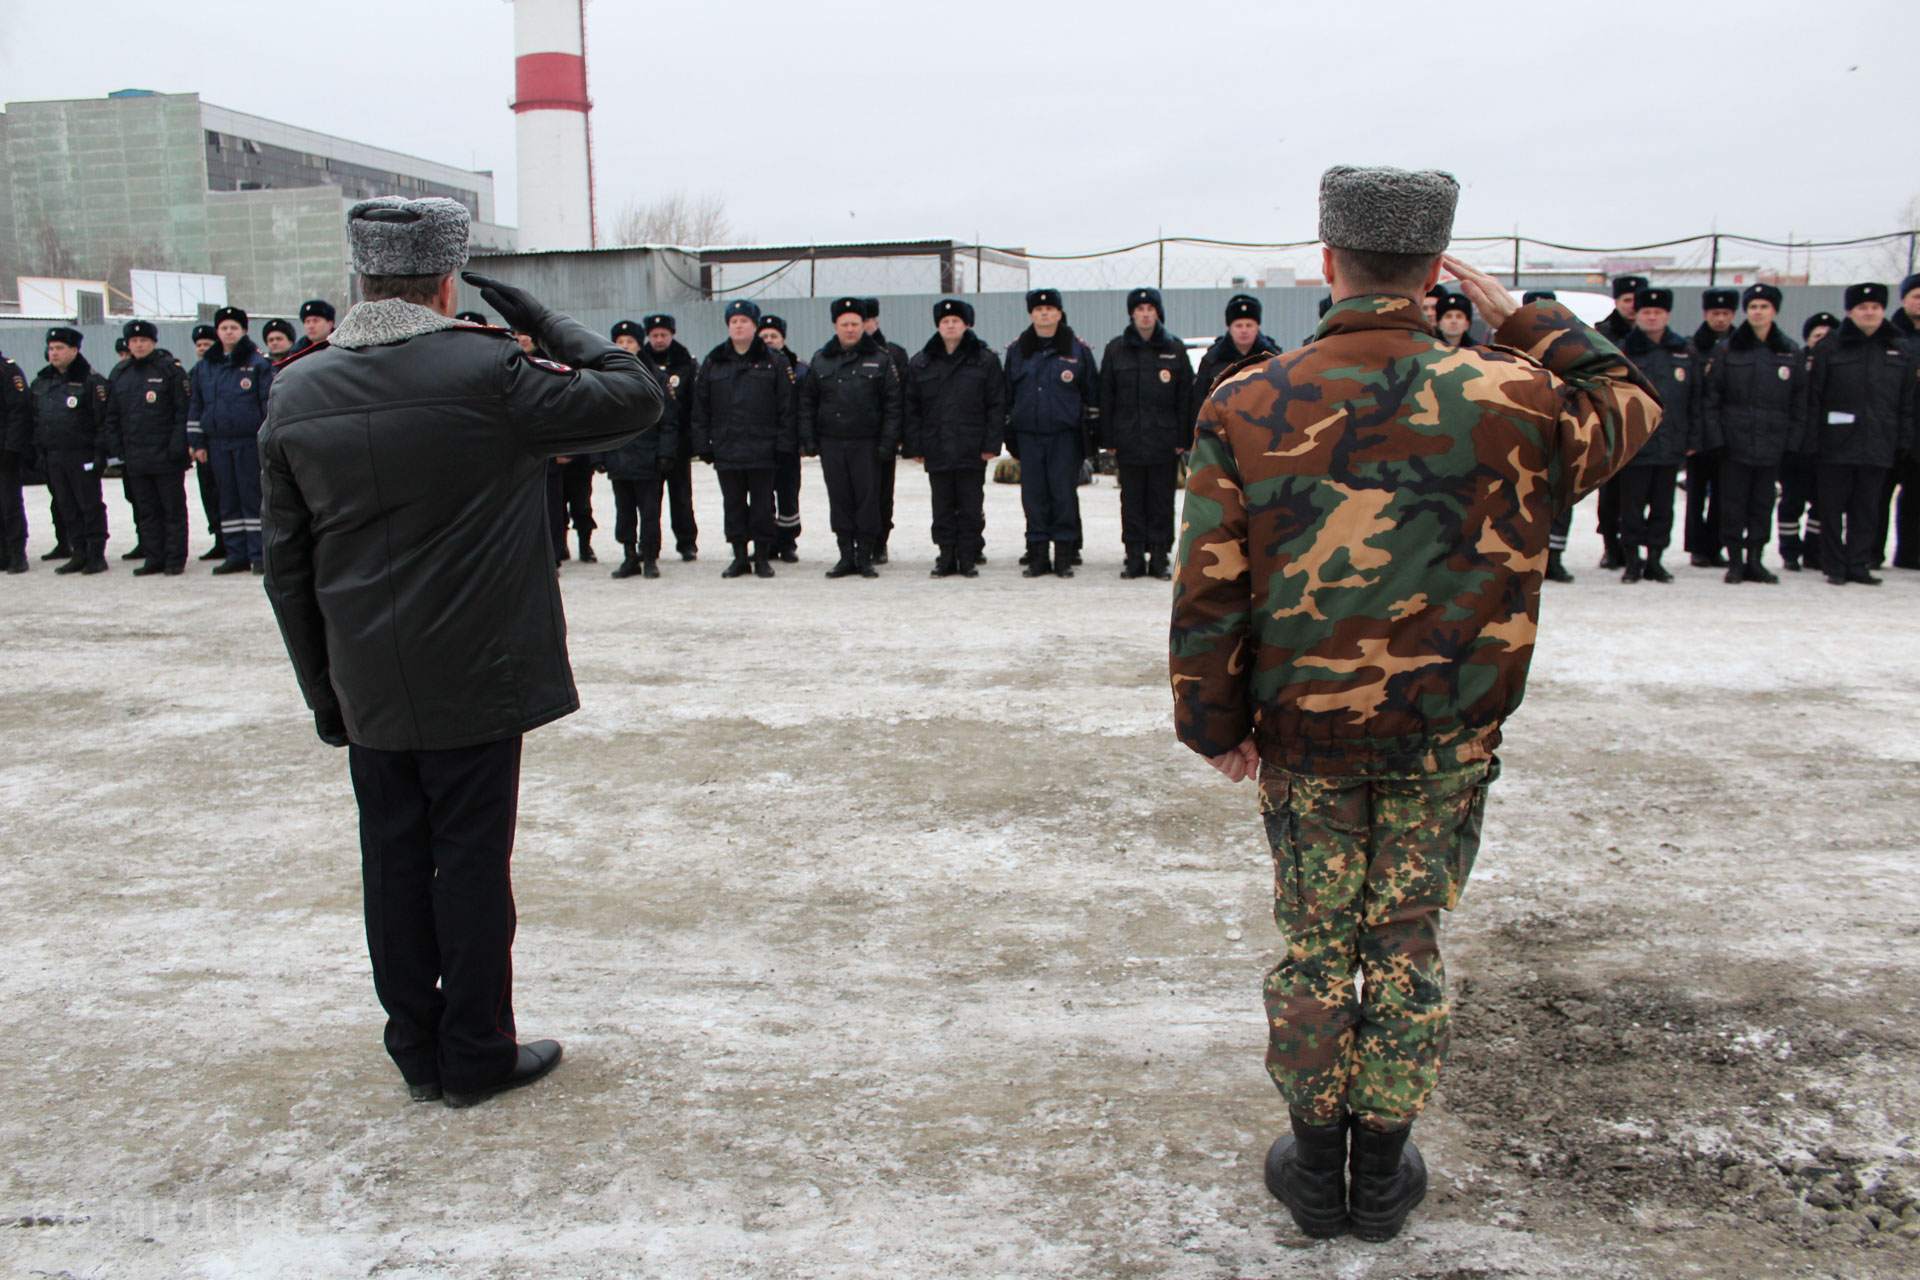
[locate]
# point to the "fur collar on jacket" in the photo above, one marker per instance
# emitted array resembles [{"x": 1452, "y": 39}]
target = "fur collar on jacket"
[
  {"x": 1744, "y": 339},
  {"x": 1061, "y": 343},
  {"x": 936, "y": 348},
  {"x": 390, "y": 320}
]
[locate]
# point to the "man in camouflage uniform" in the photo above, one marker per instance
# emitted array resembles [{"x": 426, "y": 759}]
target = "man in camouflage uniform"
[{"x": 1362, "y": 548}]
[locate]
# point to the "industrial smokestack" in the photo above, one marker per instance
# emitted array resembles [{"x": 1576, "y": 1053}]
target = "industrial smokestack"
[{"x": 554, "y": 148}]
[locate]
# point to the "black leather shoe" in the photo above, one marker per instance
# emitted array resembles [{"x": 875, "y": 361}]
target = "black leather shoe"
[
  {"x": 232, "y": 566},
  {"x": 1557, "y": 568},
  {"x": 138, "y": 553},
  {"x": 1655, "y": 571},
  {"x": 1612, "y": 557},
  {"x": 149, "y": 569},
  {"x": 1387, "y": 1179},
  {"x": 649, "y": 569},
  {"x": 788, "y": 555},
  {"x": 60, "y": 552},
  {"x": 689, "y": 554},
  {"x": 536, "y": 1060},
  {"x": 1306, "y": 1171},
  {"x": 879, "y": 554},
  {"x": 218, "y": 552},
  {"x": 1158, "y": 566},
  {"x": 428, "y": 1092},
  {"x": 1864, "y": 579}
]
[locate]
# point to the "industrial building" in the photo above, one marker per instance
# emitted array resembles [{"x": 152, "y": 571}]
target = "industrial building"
[{"x": 95, "y": 189}]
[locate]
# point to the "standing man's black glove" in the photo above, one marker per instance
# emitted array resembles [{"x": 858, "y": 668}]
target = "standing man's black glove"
[
  {"x": 331, "y": 727},
  {"x": 522, "y": 312}
]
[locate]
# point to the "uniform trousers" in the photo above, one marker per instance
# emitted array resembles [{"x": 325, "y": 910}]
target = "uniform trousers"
[
  {"x": 747, "y": 497},
  {"x": 1849, "y": 516},
  {"x": 1703, "y": 504},
  {"x": 13, "y": 503},
  {"x": 1146, "y": 503},
  {"x": 884, "y": 471},
  {"x": 236, "y": 468},
  {"x": 851, "y": 470},
  {"x": 577, "y": 488},
  {"x": 1607, "y": 509},
  {"x": 786, "y": 501},
  {"x": 1558, "y": 531},
  {"x": 959, "y": 511},
  {"x": 1362, "y": 868},
  {"x": 1746, "y": 505},
  {"x": 679, "y": 482},
  {"x": 436, "y": 848},
  {"x": 636, "y": 515},
  {"x": 209, "y": 499},
  {"x": 1050, "y": 486},
  {"x": 1797, "y": 487},
  {"x": 75, "y": 483},
  {"x": 160, "y": 517},
  {"x": 1646, "y": 506}
]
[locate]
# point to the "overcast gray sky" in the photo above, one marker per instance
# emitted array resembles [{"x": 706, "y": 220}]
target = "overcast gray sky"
[{"x": 1065, "y": 128}]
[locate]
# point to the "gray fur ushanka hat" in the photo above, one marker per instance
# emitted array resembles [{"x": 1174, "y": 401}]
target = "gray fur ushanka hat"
[
  {"x": 395, "y": 236},
  {"x": 1387, "y": 210}
]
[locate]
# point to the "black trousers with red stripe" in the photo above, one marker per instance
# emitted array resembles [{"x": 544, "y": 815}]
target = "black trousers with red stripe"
[{"x": 436, "y": 846}]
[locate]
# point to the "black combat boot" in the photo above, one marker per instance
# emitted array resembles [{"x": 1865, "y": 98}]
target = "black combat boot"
[
  {"x": 630, "y": 563},
  {"x": 1038, "y": 566},
  {"x": 863, "y": 561},
  {"x": 1387, "y": 1178},
  {"x": 879, "y": 554},
  {"x": 1135, "y": 565},
  {"x": 150, "y": 568},
  {"x": 231, "y": 566},
  {"x": 1064, "y": 558},
  {"x": 1614, "y": 556},
  {"x": 95, "y": 561},
  {"x": 1557, "y": 567},
  {"x": 1073, "y": 552},
  {"x": 1862, "y": 577},
  {"x": 17, "y": 558},
  {"x": 741, "y": 566},
  {"x": 1158, "y": 565},
  {"x": 649, "y": 568},
  {"x": 761, "y": 569},
  {"x": 968, "y": 564},
  {"x": 1790, "y": 552},
  {"x": 75, "y": 563},
  {"x": 1306, "y": 1171},
  {"x": 61, "y": 551},
  {"x": 845, "y": 566},
  {"x": 789, "y": 553},
  {"x": 1630, "y": 557},
  {"x": 1756, "y": 571},
  {"x": 586, "y": 549},
  {"x": 138, "y": 553},
  {"x": 1655, "y": 571},
  {"x": 945, "y": 565},
  {"x": 688, "y": 554},
  {"x": 1736, "y": 568},
  {"x": 217, "y": 552}
]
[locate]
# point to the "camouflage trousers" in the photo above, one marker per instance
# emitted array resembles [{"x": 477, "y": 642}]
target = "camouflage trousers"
[{"x": 1362, "y": 867}]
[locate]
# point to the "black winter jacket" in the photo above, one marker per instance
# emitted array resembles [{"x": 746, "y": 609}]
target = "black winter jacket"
[
  {"x": 1146, "y": 397},
  {"x": 1053, "y": 386},
  {"x": 676, "y": 369},
  {"x": 743, "y": 410},
  {"x": 1756, "y": 397},
  {"x": 1220, "y": 357},
  {"x": 1615, "y": 327},
  {"x": 147, "y": 415},
  {"x": 403, "y": 514},
  {"x": 70, "y": 410},
  {"x": 16, "y": 411},
  {"x": 1673, "y": 367},
  {"x": 956, "y": 404},
  {"x": 1860, "y": 398},
  {"x": 850, "y": 393},
  {"x": 1705, "y": 339},
  {"x": 649, "y": 455}
]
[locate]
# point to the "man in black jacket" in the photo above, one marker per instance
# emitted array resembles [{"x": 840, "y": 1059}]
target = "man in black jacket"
[
  {"x": 1649, "y": 481},
  {"x": 1146, "y": 418},
  {"x": 16, "y": 450},
  {"x": 316, "y": 318},
  {"x": 205, "y": 339},
  {"x": 636, "y": 468},
  {"x": 147, "y": 400},
  {"x": 1798, "y": 469},
  {"x": 1242, "y": 339},
  {"x": 786, "y": 466},
  {"x": 743, "y": 420},
  {"x": 850, "y": 414},
  {"x": 1704, "y": 519},
  {"x": 1615, "y": 328},
  {"x": 70, "y": 433},
  {"x": 1906, "y": 471},
  {"x": 1755, "y": 404},
  {"x": 887, "y": 468},
  {"x": 956, "y": 413},
  {"x": 672, "y": 361},
  {"x": 409, "y": 568},
  {"x": 1860, "y": 411}
]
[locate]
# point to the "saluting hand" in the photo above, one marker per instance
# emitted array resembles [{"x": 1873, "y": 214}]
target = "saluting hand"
[
  {"x": 521, "y": 311},
  {"x": 1488, "y": 295}
]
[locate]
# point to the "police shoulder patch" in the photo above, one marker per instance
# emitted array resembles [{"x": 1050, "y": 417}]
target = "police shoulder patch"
[{"x": 551, "y": 366}]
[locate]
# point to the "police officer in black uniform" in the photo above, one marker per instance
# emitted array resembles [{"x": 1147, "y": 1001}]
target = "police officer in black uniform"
[
  {"x": 1703, "y": 468},
  {"x": 1648, "y": 482},
  {"x": 677, "y": 369},
  {"x": 635, "y": 470},
  {"x": 70, "y": 432},
  {"x": 743, "y": 419},
  {"x": 316, "y": 318},
  {"x": 786, "y": 470},
  {"x": 147, "y": 399},
  {"x": 204, "y": 340},
  {"x": 1146, "y": 418},
  {"x": 851, "y": 415},
  {"x": 1860, "y": 420},
  {"x": 1616, "y": 327},
  {"x": 956, "y": 414},
  {"x": 1242, "y": 339},
  {"x": 885, "y": 470}
]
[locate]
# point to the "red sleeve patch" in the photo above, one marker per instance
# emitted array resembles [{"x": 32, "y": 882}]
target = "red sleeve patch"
[{"x": 551, "y": 366}]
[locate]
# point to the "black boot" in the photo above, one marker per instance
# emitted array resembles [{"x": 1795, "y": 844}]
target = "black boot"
[
  {"x": 1736, "y": 568},
  {"x": 1136, "y": 563},
  {"x": 863, "y": 560},
  {"x": 789, "y": 553},
  {"x": 1387, "y": 1179},
  {"x": 95, "y": 561},
  {"x": 1158, "y": 565},
  {"x": 845, "y": 566},
  {"x": 138, "y": 553},
  {"x": 1036, "y": 561},
  {"x": 232, "y": 566},
  {"x": 1790, "y": 552},
  {"x": 741, "y": 566},
  {"x": 150, "y": 569},
  {"x": 649, "y": 568},
  {"x": 1614, "y": 556},
  {"x": 61, "y": 551},
  {"x": 761, "y": 569},
  {"x": 17, "y": 558},
  {"x": 1557, "y": 567},
  {"x": 1026, "y": 557},
  {"x": 630, "y": 563},
  {"x": 1063, "y": 559},
  {"x": 75, "y": 563},
  {"x": 968, "y": 564},
  {"x": 1757, "y": 571},
  {"x": 1306, "y": 1171},
  {"x": 880, "y": 549},
  {"x": 1630, "y": 557},
  {"x": 1657, "y": 572},
  {"x": 586, "y": 549},
  {"x": 217, "y": 552},
  {"x": 1073, "y": 552},
  {"x": 945, "y": 565}
]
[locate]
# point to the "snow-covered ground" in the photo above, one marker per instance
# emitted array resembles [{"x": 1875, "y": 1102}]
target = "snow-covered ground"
[{"x": 890, "y": 933}]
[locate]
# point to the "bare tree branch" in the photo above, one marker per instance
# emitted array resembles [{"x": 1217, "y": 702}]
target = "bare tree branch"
[{"x": 674, "y": 219}]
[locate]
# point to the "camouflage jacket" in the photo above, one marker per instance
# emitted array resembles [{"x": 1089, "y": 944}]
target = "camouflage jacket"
[{"x": 1365, "y": 529}]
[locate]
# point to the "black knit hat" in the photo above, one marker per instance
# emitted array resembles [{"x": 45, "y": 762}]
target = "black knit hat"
[
  {"x": 472, "y": 317},
  {"x": 843, "y": 306},
  {"x": 627, "y": 329},
  {"x": 953, "y": 307},
  {"x": 1719, "y": 299},
  {"x": 63, "y": 333},
  {"x": 1532, "y": 296},
  {"x": 1044, "y": 298},
  {"x": 775, "y": 323},
  {"x": 140, "y": 329},
  {"x": 1146, "y": 296},
  {"x": 1762, "y": 293},
  {"x": 743, "y": 307},
  {"x": 659, "y": 320},
  {"x": 1243, "y": 306},
  {"x": 1649, "y": 297},
  {"x": 1869, "y": 292},
  {"x": 205, "y": 333},
  {"x": 1623, "y": 285},
  {"x": 1817, "y": 320},
  {"x": 317, "y": 307},
  {"x": 278, "y": 325},
  {"x": 869, "y": 308},
  {"x": 1455, "y": 302},
  {"x": 230, "y": 313}
]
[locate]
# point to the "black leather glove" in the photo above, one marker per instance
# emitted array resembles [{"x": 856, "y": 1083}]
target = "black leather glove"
[
  {"x": 331, "y": 727},
  {"x": 522, "y": 312}
]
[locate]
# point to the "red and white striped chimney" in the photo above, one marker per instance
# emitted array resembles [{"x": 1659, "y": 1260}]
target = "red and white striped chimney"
[{"x": 554, "y": 147}]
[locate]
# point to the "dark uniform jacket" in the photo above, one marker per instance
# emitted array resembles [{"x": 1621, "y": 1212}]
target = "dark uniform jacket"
[
  {"x": 1146, "y": 397},
  {"x": 1860, "y": 398},
  {"x": 147, "y": 414},
  {"x": 743, "y": 410},
  {"x": 404, "y": 519},
  {"x": 956, "y": 404},
  {"x": 1223, "y": 355},
  {"x": 1756, "y": 397},
  {"x": 676, "y": 369},
  {"x": 1673, "y": 367},
  {"x": 1705, "y": 339},
  {"x": 230, "y": 390},
  {"x": 1053, "y": 386},
  {"x": 70, "y": 411},
  {"x": 16, "y": 411},
  {"x": 851, "y": 393},
  {"x": 1615, "y": 327},
  {"x": 649, "y": 455}
]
